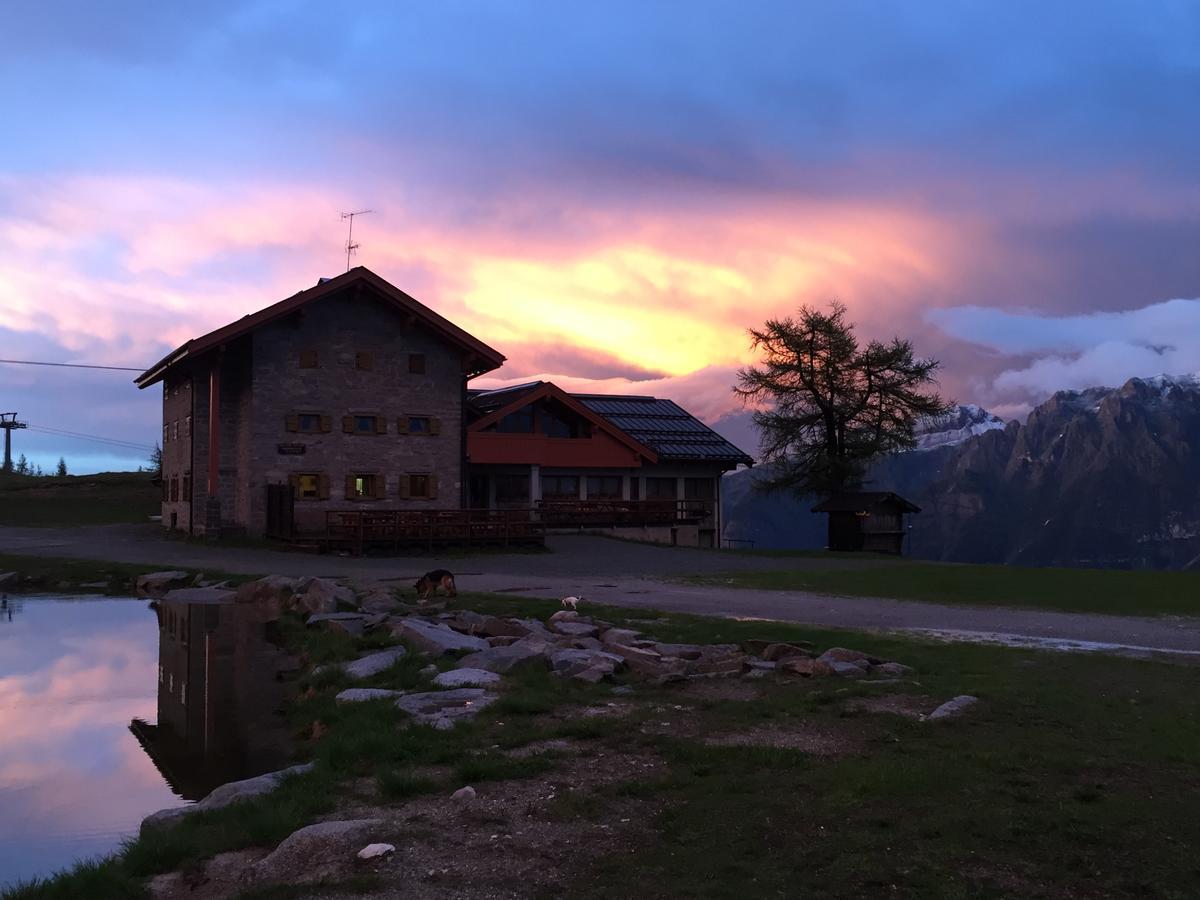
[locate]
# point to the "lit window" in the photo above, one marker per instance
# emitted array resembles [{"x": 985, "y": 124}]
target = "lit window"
[
  {"x": 308, "y": 486},
  {"x": 363, "y": 486}
]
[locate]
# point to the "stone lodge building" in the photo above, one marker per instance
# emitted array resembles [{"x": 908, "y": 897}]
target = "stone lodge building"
[{"x": 353, "y": 396}]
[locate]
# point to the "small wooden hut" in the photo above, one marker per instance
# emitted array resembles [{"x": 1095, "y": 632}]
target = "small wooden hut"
[{"x": 871, "y": 521}]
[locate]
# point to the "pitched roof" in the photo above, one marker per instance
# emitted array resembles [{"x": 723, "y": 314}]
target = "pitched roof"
[
  {"x": 498, "y": 403},
  {"x": 864, "y": 501},
  {"x": 487, "y": 358},
  {"x": 664, "y": 426}
]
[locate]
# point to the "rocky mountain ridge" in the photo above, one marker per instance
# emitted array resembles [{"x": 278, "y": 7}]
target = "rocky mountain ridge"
[{"x": 1104, "y": 477}]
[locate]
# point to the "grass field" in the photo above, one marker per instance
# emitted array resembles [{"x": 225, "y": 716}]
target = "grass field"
[
  {"x": 1070, "y": 590},
  {"x": 101, "y": 499},
  {"x": 1075, "y": 776}
]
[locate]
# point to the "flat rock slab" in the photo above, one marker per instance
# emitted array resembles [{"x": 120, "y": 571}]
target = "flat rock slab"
[
  {"x": 442, "y": 708},
  {"x": 363, "y": 695},
  {"x": 155, "y": 584},
  {"x": 504, "y": 659},
  {"x": 466, "y": 677},
  {"x": 366, "y": 666},
  {"x": 576, "y": 629},
  {"x": 225, "y": 795},
  {"x": 952, "y": 708},
  {"x": 309, "y": 853},
  {"x": 434, "y": 637}
]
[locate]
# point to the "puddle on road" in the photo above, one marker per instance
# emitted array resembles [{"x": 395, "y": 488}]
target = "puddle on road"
[{"x": 1029, "y": 642}]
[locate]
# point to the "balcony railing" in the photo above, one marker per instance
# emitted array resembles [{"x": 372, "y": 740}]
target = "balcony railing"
[{"x": 609, "y": 513}]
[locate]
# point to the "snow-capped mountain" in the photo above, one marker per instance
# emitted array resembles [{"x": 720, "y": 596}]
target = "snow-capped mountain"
[
  {"x": 961, "y": 423},
  {"x": 1101, "y": 477}
]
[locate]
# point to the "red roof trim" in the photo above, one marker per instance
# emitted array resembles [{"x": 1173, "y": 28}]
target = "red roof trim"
[
  {"x": 548, "y": 389},
  {"x": 489, "y": 358}
]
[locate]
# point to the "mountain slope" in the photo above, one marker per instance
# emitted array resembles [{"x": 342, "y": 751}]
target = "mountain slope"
[{"x": 1102, "y": 477}]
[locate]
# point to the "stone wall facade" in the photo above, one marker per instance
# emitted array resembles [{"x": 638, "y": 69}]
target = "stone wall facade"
[{"x": 294, "y": 397}]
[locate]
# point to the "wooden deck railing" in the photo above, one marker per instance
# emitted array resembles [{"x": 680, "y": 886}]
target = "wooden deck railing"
[
  {"x": 359, "y": 529},
  {"x": 570, "y": 513}
]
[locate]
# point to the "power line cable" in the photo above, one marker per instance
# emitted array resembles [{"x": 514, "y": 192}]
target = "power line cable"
[
  {"x": 32, "y": 362},
  {"x": 95, "y": 438}
]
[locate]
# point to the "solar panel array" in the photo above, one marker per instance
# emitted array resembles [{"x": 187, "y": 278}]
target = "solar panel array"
[{"x": 664, "y": 427}]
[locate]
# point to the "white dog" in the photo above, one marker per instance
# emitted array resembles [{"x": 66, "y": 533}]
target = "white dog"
[{"x": 571, "y": 602}]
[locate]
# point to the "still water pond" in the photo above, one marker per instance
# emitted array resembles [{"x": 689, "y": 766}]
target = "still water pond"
[{"x": 96, "y": 732}]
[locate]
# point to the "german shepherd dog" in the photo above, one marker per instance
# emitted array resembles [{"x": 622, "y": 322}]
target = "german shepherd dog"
[{"x": 427, "y": 584}]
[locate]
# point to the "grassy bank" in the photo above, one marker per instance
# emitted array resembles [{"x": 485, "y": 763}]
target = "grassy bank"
[
  {"x": 106, "y": 498},
  {"x": 1074, "y": 776},
  {"x": 1069, "y": 590},
  {"x": 51, "y": 573}
]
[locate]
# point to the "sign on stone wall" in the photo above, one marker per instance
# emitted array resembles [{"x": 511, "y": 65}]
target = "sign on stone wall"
[{"x": 291, "y": 449}]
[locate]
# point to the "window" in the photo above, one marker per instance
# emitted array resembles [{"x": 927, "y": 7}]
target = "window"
[
  {"x": 174, "y": 488},
  {"x": 308, "y": 486},
  {"x": 309, "y": 359},
  {"x": 185, "y": 493},
  {"x": 519, "y": 422},
  {"x": 560, "y": 487},
  {"x": 635, "y": 488},
  {"x": 604, "y": 487},
  {"x": 175, "y": 430},
  {"x": 363, "y": 424},
  {"x": 187, "y": 427},
  {"x": 512, "y": 491},
  {"x": 308, "y": 423},
  {"x": 419, "y": 425},
  {"x": 418, "y": 486},
  {"x": 364, "y": 360},
  {"x": 660, "y": 489},
  {"x": 166, "y": 432},
  {"x": 416, "y": 364},
  {"x": 698, "y": 489},
  {"x": 364, "y": 486}
]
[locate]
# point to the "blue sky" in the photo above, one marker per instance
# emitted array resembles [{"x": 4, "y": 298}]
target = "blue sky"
[{"x": 609, "y": 193}]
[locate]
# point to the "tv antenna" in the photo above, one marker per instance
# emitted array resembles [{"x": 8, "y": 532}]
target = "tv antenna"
[
  {"x": 350, "y": 245},
  {"x": 8, "y": 421}
]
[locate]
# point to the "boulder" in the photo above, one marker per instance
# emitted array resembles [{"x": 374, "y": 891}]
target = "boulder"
[
  {"x": 225, "y": 795},
  {"x": 576, "y": 629},
  {"x": 952, "y": 708},
  {"x": 495, "y": 627},
  {"x": 585, "y": 643},
  {"x": 567, "y": 615},
  {"x": 647, "y": 662},
  {"x": 678, "y": 651},
  {"x": 441, "y": 708},
  {"x": 156, "y": 584},
  {"x": 624, "y": 636},
  {"x": 569, "y": 660},
  {"x": 757, "y": 646},
  {"x": 803, "y": 665},
  {"x": 274, "y": 590},
  {"x": 366, "y": 666},
  {"x": 353, "y": 624},
  {"x": 434, "y": 637},
  {"x": 501, "y": 640},
  {"x": 593, "y": 674},
  {"x": 9, "y": 578},
  {"x": 320, "y": 595},
  {"x": 311, "y": 852},
  {"x": 466, "y": 622},
  {"x": 363, "y": 695},
  {"x": 463, "y": 794},
  {"x": 535, "y": 627},
  {"x": 846, "y": 669},
  {"x": 776, "y": 652},
  {"x": 466, "y": 678},
  {"x": 841, "y": 654},
  {"x": 719, "y": 661},
  {"x": 754, "y": 663},
  {"x": 504, "y": 659},
  {"x": 201, "y": 595}
]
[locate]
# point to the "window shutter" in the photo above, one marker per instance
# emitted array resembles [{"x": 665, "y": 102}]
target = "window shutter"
[
  {"x": 322, "y": 486},
  {"x": 403, "y": 487},
  {"x": 365, "y": 360},
  {"x": 380, "y": 486},
  {"x": 402, "y": 425},
  {"x": 381, "y": 424},
  {"x": 432, "y": 487},
  {"x": 294, "y": 481},
  {"x": 416, "y": 364},
  {"x": 293, "y": 423},
  {"x": 435, "y": 426},
  {"x": 308, "y": 359},
  {"x": 326, "y": 424},
  {"x": 348, "y": 424},
  {"x": 350, "y": 487}
]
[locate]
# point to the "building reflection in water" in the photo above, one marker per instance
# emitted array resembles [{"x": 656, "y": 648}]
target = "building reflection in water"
[{"x": 223, "y": 678}]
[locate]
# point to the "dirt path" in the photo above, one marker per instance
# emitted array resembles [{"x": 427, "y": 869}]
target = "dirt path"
[{"x": 628, "y": 574}]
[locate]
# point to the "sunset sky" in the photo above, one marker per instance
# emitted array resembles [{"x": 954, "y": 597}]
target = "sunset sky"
[{"x": 608, "y": 193}]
